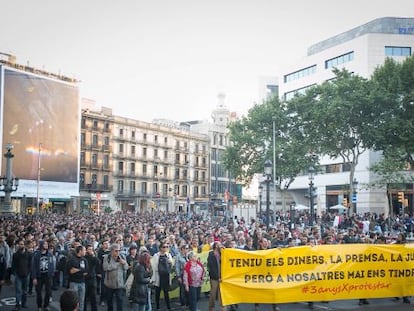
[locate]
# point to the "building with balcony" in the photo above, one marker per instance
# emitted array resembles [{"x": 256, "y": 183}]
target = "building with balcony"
[
  {"x": 159, "y": 166},
  {"x": 96, "y": 169}
]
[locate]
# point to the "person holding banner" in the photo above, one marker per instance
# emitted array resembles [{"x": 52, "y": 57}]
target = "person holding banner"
[{"x": 213, "y": 267}]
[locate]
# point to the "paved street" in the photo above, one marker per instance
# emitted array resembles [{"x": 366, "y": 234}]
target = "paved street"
[{"x": 7, "y": 303}]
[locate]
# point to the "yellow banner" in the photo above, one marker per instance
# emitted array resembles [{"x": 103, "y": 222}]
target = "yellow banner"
[{"x": 319, "y": 273}]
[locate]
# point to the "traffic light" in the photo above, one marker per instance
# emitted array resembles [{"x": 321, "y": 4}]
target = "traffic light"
[
  {"x": 401, "y": 197},
  {"x": 29, "y": 211},
  {"x": 345, "y": 202}
]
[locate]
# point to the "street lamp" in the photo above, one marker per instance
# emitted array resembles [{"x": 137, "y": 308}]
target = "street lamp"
[
  {"x": 260, "y": 199},
  {"x": 354, "y": 195},
  {"x": 8, "y": 184},
  {"x": 311, "y": 175},
  {"x": 268, "y": 174}
]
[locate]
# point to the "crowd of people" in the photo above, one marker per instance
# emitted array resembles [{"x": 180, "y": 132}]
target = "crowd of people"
[{"x": 97, "y": 256}]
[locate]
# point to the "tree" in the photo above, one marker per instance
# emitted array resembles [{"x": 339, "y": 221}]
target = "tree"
[
  {"x": 393, "y": 95},
  {"x": 252, "y": 142},
  {"x": 332, "y": 117}
]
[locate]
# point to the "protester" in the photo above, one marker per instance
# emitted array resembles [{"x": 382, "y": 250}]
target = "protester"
[
  {"x": 78, "y": 270},
  {"x": 43, "y": 271},
  {"x": 162, "y": 266},
  {"x": 180, "y": 261},
  {"x": 142, "y": 276},
  {"x": 20, "y": 268},
  {"x": 94, "y": 272},
  {"x": 69, "y": 301},
  {"x": 115, "y": 266},
  {"x": 213, "y": 267},
  {"x": 193, "y": 277}
]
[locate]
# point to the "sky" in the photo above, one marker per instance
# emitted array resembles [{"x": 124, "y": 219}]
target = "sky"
[{"x": 171, "y": 58}]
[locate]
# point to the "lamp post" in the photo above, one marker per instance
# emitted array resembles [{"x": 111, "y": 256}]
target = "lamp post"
[
  {"x": 260, "y": 199},
  {"x": 268, "y": 174},
  {"x": 354, "y": 195},
  {"x": 8, "y": 184},
  {"x": 311, "y": 172}
]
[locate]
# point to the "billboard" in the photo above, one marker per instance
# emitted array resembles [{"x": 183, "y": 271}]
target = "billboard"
[{"x": 40, "y": 118}]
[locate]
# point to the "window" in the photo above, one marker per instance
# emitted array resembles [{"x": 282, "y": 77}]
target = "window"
[
  {"x": 397, "y": 51},
  {"x": 165, "y": 173},
  {"x": 106, "y": 141},
  {"x": 144, "y": 152},
  {"x": 165, "y": 140},
  {"x": 95, "y": 125},
  {"x": 177, "y": 173},
  {"x": 82, "y": 158},
  {"x": 133, "y": 135},
  {"x": 95, "y": 140},
  {"x": 144, "y": 136},
  {"x": 155, "y": 170},
  {"x": 82, "y": 138},
  {"x": 121, "y": 132},
  {"x": 156, "y": 139},
  {"x": 133, "y": 151},
  {"x": 82, "y": 180},
  {"x": 83, "y": 123},
  {"x": 120, "y": 167},
  {"x": 299, "y": 74},
  {"x": 289, "y": 95},
  {"x": 144, "y": 187},
  {"x": 121, "y": 148},
  {"x": 334, "y": 62},
  {"x": 94, "y": 159},
  {"x": 94, "y": 179},
  {"x": 132, "y": 168},
  {"x": 155, "y": 153},
  {"x": 144, "y": 169},
  {"x": 106, "y": 181},
  {"x": 120, "y": 186},
  {"x": 132, "y": 186},
  {"x": 165, "y": 154},
  {"x": 106, "y": 161}
]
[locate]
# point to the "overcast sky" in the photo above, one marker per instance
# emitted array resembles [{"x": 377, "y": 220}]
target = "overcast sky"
[{"x": 170, "y": 58}]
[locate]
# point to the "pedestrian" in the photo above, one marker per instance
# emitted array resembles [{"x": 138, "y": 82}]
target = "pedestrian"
[
  {"x": 3, "y": 270},
  {"x": 78, "y": 270},
  {"x": 162, "y": 265},
  {"x": 180, "y": 261},
  {"x": 94, "y": 271},
  {"x": 43, "y": 271},
  {"x": 20, "y": 269},
  {"x": 213, "y": 267},
  {"x": 102, "y": 251},
  {"x": 69, "y": 301},
  {"x": 142, "y": 277},
  {"x": 115, "y": 266},
  {"x": 193, "y": 279}
]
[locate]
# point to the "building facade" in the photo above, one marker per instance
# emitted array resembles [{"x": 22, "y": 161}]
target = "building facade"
[{"x": 359, "y": 50}]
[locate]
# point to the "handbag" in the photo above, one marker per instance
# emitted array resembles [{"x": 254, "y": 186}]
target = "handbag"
[{"x": 174, "y": 284}]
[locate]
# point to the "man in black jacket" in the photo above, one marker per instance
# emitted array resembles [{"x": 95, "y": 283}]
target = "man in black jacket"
[
  {"x": 78, "y": 270},
  {"x": 213, "y": 267},
  {"x": 21, "y": 268},
  {"x": 94, "y": 271}
]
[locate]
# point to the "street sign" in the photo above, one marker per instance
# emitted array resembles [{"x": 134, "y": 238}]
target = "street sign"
[{"x": 354, "y": 198}]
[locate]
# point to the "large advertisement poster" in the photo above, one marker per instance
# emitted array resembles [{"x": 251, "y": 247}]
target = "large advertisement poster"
[{"x": 41, "y": 120}]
